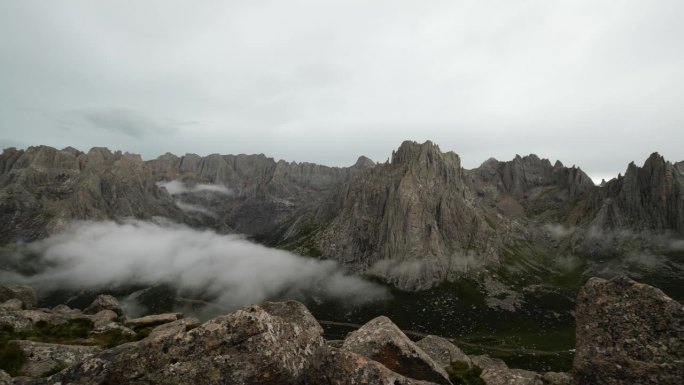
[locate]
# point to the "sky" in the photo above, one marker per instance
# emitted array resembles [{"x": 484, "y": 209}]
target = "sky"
[{"x": 595, "y": 83}]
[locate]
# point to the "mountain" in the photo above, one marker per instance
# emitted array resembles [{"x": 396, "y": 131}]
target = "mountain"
[
  {"x": 415, "y": 221},
  {"x": 42, "y": 189}
]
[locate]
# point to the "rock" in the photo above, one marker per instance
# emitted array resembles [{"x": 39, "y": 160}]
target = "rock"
[
  {"x": 152, "y": 320},
  {"x": 17, "y": 323},
  {"x": 42, "y": 358},
  {"x": 26, "y": 294},
  {"x": 628, "y": 333},
  {"x": 498, "y": 376},
  {"x": 486, "y": 362},
  {"x": 332, "y": 366},
  {"x": 68, "y": 312},
  {"x": 42, "y": 315},
  {"x": 112, "y": 327},
  {"x": 12, "y": 304},
  {"x": 103, "y": 317},
  {"x": 557, "y": 378},
  {"x": 382, "y": 341},
  {"x": 104, "y": 302},
  {"x": 248, "y": 346},
  {"x": 170, "y": 329},
  {"x": 296, "y": 313},
  {"x": 5, "y": 378},
  {"x": 442, "y": 351}
]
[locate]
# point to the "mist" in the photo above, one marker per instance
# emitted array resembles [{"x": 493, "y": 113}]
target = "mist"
[
  {"x": 228, "y": 270},
  {"x": 176, "y": 187}
]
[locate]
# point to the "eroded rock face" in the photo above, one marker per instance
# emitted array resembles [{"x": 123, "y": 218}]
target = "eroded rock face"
[
  {"x": 628, "y": 333},
  {"x": 26, "y": 294},
  {"x": 332, "y": 366},
  {"x": 43, "y": 189},
  {"x": 382, "y": 341},
  {"x": 442, "y": 351}
]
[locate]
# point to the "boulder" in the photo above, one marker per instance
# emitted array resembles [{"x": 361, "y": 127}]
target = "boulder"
[
  {"x": 104, "y": 302},
  {"x": 103, "y": 318},
  {"x": 628, "y": 333},
  {"x": 248, "y": 346},
  {"x": 26, "y": 294},
  {"x": 12, "y": 305},
  {"x": 442, "y": 351},
  {"x": 382, "y": 341},
  {"x": 68, "y": 312},
  {"x": 332, "y": 366},
  {"x": 42, "y": 358},
  {"x": 486, "y": 362},
  {"x": 152, "y": 320}
]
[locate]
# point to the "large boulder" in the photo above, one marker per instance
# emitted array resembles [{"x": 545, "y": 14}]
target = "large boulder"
[
  {"x": 442, "y": 351},
  {"x": 628, "y": 333},
  {"x": 332, "y": 366},
  {"x": 26, "y": 294},
  {"x": 382, "y": 341},
  {"x": 104, "y": 302},
  {"x": 248, "y": 346},
  {"x": 43, "y": 358}
]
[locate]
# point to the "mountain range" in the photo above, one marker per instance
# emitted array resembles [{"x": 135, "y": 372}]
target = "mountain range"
[{"x": 415, "y": 221}]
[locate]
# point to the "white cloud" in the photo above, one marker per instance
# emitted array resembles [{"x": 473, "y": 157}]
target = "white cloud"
[{"x": 228, "y": 268}]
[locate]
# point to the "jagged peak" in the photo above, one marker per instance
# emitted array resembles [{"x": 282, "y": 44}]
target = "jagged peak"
[
  {"x": 412, "y": 150},
  {"x": 558, "y": 164},
  {"x": 364, "y": 162}
]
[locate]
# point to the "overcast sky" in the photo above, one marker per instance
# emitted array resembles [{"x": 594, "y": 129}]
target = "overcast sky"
[{"x": 597, "y": 83}]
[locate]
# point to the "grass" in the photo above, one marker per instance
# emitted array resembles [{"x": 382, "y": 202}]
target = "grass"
[{"x": 461, "y": 373}]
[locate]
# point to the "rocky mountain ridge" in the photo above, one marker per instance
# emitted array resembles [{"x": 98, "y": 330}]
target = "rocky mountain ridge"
[
  {"x": 626, "y": 332},
  {"x": 415, "y": 221}
]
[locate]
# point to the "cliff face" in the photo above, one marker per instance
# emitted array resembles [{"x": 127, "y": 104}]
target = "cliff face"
[
  {"x": 412, "y": 220},
  {"x": 264, "y": 194},
  {"x": 42, "y": 189},
  {"x": 647, "y": 198}
]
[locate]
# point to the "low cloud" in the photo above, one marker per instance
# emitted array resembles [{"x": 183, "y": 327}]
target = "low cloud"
[
  {"x": 424, "y": 273},
  {"x": 126, "y": 121},
  {"x": 176, "y": 187},
  {"x": 227, "y": 269},
  {"x": 558, "y": 231}
]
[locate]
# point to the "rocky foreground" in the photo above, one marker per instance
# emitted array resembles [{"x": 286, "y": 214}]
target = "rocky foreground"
[{"x": 627, "y": 333}]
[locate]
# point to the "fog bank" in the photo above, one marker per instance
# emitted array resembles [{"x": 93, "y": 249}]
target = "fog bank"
[{"x": 227, "y": 269}]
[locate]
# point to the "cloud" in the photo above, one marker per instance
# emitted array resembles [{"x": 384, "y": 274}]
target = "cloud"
[
  {"x": 176, "y": 187},
  {"x": 226, "y": 268},
  {"x": 126, "y": 121},
  {"x": 558, "y": 231}
]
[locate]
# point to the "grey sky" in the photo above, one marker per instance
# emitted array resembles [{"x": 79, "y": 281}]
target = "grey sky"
[{"x": 597, "y": 83}]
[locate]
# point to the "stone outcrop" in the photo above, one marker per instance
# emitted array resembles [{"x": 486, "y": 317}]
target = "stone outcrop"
[
  {"x": 25, "y": 294},
  {"x": 382, "y": 341},
  {"x": 628, "y": 333}
]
